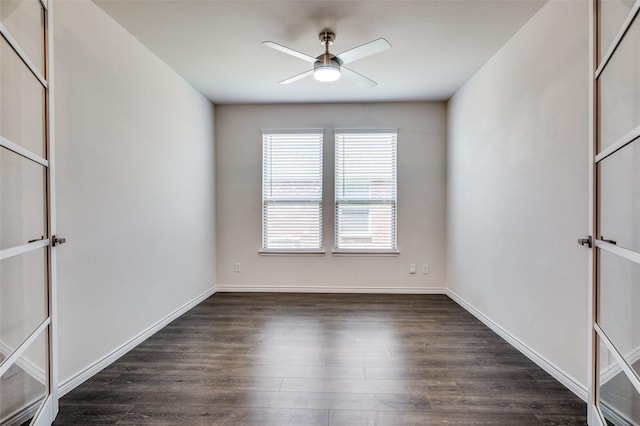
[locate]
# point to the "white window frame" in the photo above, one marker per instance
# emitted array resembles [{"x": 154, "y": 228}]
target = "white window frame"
[
  {"x": 341, "y": 199},
  {"x": 269, "y": 137}
]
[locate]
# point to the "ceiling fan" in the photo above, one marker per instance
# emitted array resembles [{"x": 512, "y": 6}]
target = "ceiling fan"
[{"x": 329, "y": 67}]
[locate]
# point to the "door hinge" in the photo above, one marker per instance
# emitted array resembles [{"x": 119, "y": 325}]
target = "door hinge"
[
  {"x": 585, "y": 241},
  {"x": 56, "y": 241}
]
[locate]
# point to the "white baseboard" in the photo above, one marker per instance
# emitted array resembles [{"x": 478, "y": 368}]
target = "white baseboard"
[
  {"x": 108, "y": 359},
  {"x": 610, "y": 372},
  {"x": 633, "y": 356},
  {"x": 548, "y": 366},
  {"x": 329, "y": 289}
]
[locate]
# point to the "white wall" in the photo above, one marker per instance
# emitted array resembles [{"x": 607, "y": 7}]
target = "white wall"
[
  {"x": 135, "y": 181},
  {"x": 421, "y": 199},
  {"x": 518, "y": 187}
]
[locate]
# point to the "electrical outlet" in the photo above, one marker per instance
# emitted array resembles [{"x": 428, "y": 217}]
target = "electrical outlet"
[
  {"x": 412, "y": 268},
  {"x": 425, "y": 268},
  {"x": 237, "y": 267}
]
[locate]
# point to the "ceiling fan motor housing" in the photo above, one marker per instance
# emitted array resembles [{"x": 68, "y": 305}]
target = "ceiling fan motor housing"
[
  {"x": 327, "y": 66},
  {"x": 327, "y": 60}
]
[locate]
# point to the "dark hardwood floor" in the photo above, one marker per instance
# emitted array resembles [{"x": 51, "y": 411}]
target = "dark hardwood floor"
[{"x": 323, "y": 359}]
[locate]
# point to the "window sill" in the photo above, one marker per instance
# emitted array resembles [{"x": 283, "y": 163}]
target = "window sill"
[
  {"x": 291, "y": 253},
  {"x": 372, "y": 253}
]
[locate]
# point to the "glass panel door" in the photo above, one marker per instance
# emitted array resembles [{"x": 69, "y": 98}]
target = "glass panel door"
[
  {"x": 28, "y": 373},
  {"x": 615, "y": 380}
]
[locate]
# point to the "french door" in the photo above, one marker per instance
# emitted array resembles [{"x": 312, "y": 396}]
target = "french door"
[
  {"x": 28, "y": 382},
  {"x": 615, "y": 334}
]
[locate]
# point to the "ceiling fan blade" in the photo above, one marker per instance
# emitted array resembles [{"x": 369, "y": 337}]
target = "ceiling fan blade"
[
  {"x": 288, "y": 51},
  {"x": 363, "y": 51},
  {"x": 359, "y": 77},
  {"x": 297, "y": 77}
]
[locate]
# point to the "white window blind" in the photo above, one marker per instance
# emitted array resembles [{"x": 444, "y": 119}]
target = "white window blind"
[
  {"x": 365, "y": 192},
  {"x": 292, "y": 190}
]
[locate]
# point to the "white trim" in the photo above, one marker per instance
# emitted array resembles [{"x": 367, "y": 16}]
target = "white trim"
[
  {"x": 46, "y": 413},
  {"x": 85, "y": 374},
  {"x": 14, "y": 147},
  {"x": 307, "y": 131},
  {"x": 592, "y": 355},
  {"x": 51, "y": 178},
  {"x": 26, "y": 248},
  {"x": 633, "y": 357},
  {"x": 594, "y": 412},
  {"x": 609, "y": 372},
  {"x": 274, "y": 252},
  {"x": 616, "y": 42},
  {"x": 365, "y": 253},
  {"x": 328, "y": 289},
  {"x": 557, "y": 373},
  {"x": 375, "y": 130},
  {"x": 22, "y": 55},
  {"x": 619, "y": 144}
]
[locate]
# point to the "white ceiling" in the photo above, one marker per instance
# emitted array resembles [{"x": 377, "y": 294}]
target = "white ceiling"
[{"x": 215, "y": 45}]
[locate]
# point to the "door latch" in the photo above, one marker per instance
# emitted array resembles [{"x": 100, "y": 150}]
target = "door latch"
[
  {"x": 56, "y": 241},
  {"x": 585, "y": 241}
]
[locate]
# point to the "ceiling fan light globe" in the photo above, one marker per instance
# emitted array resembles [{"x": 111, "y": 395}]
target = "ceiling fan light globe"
[{"x": 326, "y": 73}]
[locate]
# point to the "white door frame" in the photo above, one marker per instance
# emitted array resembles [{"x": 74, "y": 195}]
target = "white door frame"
[
  {"x": 45, "y": 413},
  {"x": 597, "y": 335}
]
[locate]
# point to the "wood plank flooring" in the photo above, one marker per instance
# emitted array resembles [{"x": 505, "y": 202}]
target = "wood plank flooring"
[{"x": 323, "y": 359}]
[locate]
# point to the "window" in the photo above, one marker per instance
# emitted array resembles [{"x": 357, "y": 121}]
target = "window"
[
  {"x": 292, "y": 190},
  {"x": 365, "y": 193}
]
